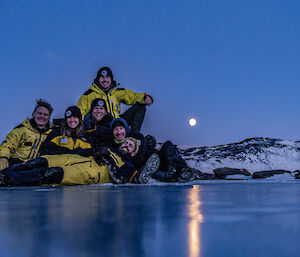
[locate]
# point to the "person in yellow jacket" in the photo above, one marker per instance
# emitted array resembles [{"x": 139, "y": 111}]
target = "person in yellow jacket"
[
  {"x": 105, "y": 87},
  {"x": 69, "y": 137},
  {"x": 24, "y": 141},
  {"x": 71, "y": 169}
]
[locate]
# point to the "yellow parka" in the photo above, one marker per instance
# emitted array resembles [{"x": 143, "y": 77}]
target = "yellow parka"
[
  {"x": 23, "y": 142},
  {"x": 79, "y": 170},
  {"x": 113, "y": 98}
]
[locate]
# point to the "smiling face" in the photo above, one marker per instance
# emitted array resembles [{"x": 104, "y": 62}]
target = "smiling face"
[
  {"x": 105, "y": 82},
  {"x": 41, "y": 116},
  {"x": 98, "y": 113},
  {"x": 128, "y": 147},
  {"x": 73, "y": 122},
  {"x": 119, "y": 133}
]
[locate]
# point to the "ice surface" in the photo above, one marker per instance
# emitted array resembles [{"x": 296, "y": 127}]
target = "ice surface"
[{"x": 203, "y": 218}]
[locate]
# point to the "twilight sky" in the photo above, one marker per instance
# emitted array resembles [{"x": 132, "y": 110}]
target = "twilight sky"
[{"x": 234, "y": 65}]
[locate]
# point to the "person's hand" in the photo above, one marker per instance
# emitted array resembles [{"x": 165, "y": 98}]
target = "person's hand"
[
  {"x": 100, "y": 154},
  {"x": 3, "y": 163},
  {"x": 148, "y": 100}
]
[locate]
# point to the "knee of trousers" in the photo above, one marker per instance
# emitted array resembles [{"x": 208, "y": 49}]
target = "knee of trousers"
[{"x": 53, "y": 175}]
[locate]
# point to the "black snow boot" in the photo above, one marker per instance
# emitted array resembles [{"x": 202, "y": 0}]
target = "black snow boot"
[
  {"x": 171, "y": 161},
  {"x": 149, "y": 168},
  {"x": 150, "y": 145}
]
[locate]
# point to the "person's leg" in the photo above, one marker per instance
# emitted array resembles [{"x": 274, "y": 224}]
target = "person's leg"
[
  {"x": 135, "y": 116},
  {"x": 164, "y": 176},
  {"x": 170, "y": 158},
  {"x": 34, "y": 177},
  {"x": 29, "y": 165},
  {"x": 149, "y": 168}
]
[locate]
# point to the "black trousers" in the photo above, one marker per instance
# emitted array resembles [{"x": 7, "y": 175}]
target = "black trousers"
[{"x": 135, "y": 116}]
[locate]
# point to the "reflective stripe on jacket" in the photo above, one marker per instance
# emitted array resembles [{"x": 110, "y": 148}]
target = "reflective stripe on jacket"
[{"x": 58, "y": 144}]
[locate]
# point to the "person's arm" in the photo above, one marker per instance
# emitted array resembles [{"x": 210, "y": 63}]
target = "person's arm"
[
  {"x": 140, "y": 158},
  {"x": 50, "y": 146},
  {"x": 84, "y": 104},
  {"x": 10, "y": 144},
  {"x": 120, "y": 169},
  {"x": 129, "y": 97}
]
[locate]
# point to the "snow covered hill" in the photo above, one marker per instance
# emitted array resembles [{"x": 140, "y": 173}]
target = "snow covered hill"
[{"x": 253, "y": 154}]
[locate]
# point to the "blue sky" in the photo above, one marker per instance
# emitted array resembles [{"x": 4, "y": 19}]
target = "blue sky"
[{"x": 234, "y": 65}]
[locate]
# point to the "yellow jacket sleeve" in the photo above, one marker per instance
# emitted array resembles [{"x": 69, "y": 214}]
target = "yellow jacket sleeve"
[
  {"x": 84, "y": 104},
  {"x": 129, "y": 97},
  {"x": 11, "y": 143}
]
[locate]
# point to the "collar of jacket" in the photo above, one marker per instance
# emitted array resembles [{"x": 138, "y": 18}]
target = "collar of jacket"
[
  {"x": 35, "y": 127},
  {"x": 119, "y": 142},
  {"x": 96, "y": 87}
]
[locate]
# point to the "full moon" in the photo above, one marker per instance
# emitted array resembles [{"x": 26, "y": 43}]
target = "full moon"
[{"x": 192, "y": 122}]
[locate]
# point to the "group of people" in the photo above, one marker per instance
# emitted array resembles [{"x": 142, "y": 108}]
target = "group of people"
[{"x": 93, "y": 143}]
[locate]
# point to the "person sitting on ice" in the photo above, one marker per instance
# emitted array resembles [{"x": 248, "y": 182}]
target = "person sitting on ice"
[
  {"x": 24, "y": 141},
  {"x": 97, "y": 122},
  {"x": 70, "y": 137},
  {"x": 105, "y": 87},
  {"x": 105, "y": 165}
]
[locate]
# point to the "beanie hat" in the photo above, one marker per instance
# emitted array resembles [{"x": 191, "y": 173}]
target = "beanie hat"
[
  {"x": 73, "y": 111},
  {"x": 105, "y": 71},
  {"x": 99, "y": 102},
  {"x": 120, "y": 122}
]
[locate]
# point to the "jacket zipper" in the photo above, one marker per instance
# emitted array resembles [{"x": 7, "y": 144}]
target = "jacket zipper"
[{"x": 34, "y": 145}]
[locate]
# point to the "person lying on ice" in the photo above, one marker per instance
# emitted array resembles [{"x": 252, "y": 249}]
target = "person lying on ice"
[
  {"x": 105, "y": 87},
  {"x": 70, "y": 137},
  {"x": 120, "y": 131},
  {"x": 73, "y": 169},
  {"x": 24, "y": 141},
  {"x": 166, "y": 165}
]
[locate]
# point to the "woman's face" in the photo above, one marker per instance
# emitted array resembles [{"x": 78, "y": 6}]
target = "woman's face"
[{"x": 73, "y": 122}]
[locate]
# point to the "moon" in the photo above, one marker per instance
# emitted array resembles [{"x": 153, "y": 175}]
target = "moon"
[{"x": 192, "y": 122}]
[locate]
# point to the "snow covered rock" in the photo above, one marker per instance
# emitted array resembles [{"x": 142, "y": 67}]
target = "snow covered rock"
[{"x": 253, "y": 154}]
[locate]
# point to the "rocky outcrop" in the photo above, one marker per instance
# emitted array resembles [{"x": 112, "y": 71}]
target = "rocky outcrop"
[{"x": 253, "y": 154}]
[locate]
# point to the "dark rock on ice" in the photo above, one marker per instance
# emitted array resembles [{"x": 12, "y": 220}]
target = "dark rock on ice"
[
  {"x": 222, "y": 173},
  {"x": 268, "y": 173}
]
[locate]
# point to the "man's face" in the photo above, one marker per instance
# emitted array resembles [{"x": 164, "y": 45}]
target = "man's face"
[
  {"x": 119, "y": 133},
  {"x": 128, "y": 147},
  {"x": 105, "y": 82},
  {"x": 98, "y": 113},
  {"x": 41, "y": 116}
]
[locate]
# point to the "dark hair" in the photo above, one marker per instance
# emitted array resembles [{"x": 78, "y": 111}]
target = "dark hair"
[
  {"x": 44, "y": 103},
  {"x": 78, "y": 132}
]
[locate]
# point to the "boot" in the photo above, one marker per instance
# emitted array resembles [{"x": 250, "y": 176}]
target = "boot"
[
  {"x": 164, "y": 176},
  {"x": 171, "y": 161}
]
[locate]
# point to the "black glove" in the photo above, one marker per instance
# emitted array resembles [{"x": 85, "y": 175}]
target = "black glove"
[
  {"x": 150, "y": 144},
  {"x": 101, "y": 155}
]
